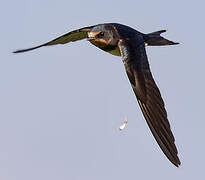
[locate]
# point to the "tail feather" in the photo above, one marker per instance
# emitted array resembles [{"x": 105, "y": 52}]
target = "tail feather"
[{"x": 154, "y": 39}]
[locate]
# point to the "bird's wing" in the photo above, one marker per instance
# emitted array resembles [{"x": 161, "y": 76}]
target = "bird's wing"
[
  {"x": 148, "y": 95},
  {"x": 66, "y": 38}
]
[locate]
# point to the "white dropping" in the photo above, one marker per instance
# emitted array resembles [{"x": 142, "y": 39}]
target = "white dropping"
[{"x": 124, "y": 124}]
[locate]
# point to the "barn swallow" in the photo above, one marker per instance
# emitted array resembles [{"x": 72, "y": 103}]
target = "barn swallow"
[{"x": 121, "y": 40}]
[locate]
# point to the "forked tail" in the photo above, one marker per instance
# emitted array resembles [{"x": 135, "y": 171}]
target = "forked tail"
[{"x": 154, "y": 39}]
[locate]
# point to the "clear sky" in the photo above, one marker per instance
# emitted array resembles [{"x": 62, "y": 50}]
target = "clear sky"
[{"x": 61, "y": 106}]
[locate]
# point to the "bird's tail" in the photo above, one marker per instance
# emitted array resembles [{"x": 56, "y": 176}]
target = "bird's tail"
[{"x": 154, "y": 39}]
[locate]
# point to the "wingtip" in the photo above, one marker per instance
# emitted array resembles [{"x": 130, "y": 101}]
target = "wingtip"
[
  {"x": 22, "y": 50},
  {"x": 17, "y": 51},
  {"x": 176, "y": 161},
  {"x": 178, "y": 164},
  {"x": 29, "y": 49}
]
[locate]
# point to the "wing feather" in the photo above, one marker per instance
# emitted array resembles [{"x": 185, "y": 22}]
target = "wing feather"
[
  {"x": 66, "y": 38},
  {"x": 148, "y": 95}
]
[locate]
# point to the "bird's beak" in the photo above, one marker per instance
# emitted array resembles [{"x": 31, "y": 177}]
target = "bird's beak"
[
  {"x": 92, "y": 35},
  {"x": 90, "y": 38}
]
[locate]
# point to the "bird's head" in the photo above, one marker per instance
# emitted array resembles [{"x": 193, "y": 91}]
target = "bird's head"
[{"x": 103, "y": 35}]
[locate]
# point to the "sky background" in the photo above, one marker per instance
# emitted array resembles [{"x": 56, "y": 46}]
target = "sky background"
[{"x": 61, "y": 106}]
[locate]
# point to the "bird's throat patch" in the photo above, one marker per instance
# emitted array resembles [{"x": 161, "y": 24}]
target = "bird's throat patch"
[
  {"x": 99, "y": 42},
  {"x": 106, "y": 47}
]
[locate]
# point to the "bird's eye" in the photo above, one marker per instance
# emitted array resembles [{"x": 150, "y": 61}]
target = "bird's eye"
[{"x": 101, "y": 34}]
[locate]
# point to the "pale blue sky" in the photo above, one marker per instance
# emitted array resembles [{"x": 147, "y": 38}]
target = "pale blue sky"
[{"x": 61, "y": 106}]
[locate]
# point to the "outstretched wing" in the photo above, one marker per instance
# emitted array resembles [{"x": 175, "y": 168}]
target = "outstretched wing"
[
  {"x": 66, "y": 38},
  {"x": 148, "y": 95}
]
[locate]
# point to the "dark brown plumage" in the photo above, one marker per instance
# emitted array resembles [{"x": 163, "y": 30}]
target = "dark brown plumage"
[
  {"x": 148, "y": 96},
  {"x": 124, "y": 41}
]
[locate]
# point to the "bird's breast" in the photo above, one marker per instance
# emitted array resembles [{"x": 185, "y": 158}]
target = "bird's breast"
[{"x": 114, "y": 50}]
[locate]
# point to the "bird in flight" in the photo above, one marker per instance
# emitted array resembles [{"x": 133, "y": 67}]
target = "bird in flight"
[{"x": 121, "y": 40}]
